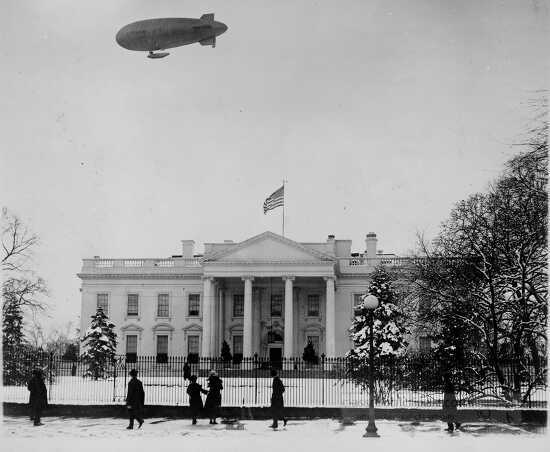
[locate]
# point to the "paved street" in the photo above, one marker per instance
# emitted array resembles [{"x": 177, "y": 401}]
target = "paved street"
[{"x": 83, "y": 434}]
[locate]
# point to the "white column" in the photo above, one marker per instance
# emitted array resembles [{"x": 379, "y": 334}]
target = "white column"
[
  {"x": 289, "y": 312},
  {"x": 247, "y": 326},
  {"x": 330, "y": 346},
  {"x": 206, "y": 316},
  {"x": 221, "y": 311}
]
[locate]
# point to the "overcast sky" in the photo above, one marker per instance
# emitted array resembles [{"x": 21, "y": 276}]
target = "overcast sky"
[{"x": 380, "y": 114}]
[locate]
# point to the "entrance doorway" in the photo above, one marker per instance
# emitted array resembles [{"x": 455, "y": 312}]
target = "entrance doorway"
[{"x": 275, "y": 357}]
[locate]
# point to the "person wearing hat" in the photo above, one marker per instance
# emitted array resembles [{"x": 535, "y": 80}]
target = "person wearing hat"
[
  {"x": 194, "y": 391},
  {"x": 214, "y": 397},
  {"x": 38, "y": 399},
  {"x": 450, "y": 411},
  {"x": 135, "y": 400},
  {"x": 277, "y": 403}
]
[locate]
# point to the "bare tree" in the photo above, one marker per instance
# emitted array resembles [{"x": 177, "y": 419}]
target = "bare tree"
[
  {"x": 17, "y": 242},
  {"x": 21, "y": 288},
  {"x": 497, "y": 288}
]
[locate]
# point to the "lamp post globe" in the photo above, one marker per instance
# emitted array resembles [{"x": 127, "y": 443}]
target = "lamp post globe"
[{"x": 370, "y": 302}]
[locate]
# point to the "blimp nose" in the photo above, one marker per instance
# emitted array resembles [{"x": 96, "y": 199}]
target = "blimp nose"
[{"x": 120, "y": 38}]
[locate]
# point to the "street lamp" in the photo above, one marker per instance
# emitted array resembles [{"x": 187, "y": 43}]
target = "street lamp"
[{"x": 370, "y": 302}]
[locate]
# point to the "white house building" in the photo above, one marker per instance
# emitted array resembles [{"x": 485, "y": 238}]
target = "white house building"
[{"x": 267, "y": 295}]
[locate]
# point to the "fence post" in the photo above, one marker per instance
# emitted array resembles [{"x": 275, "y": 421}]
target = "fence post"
[
  {"x": 323, "y": 379},
  {"x": 125, "y": 376},
  {"x": 50, "y": 365},
  {"x": 114, "y": 378},
  {"x": 255, "y": 378}
]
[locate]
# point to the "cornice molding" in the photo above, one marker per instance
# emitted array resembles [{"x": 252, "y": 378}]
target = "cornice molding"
[
  {"x": 90, "y": 276},
  {"x": 131, "y": 327},
  {"x": 342, "y": 277},
  {"x": 268, "y": 261},
  {"x": 313, "y": 327},
  {"x": 192, "y": 327}
]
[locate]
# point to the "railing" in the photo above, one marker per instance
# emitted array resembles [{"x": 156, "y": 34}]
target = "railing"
[
  {"x": 410, "y": 382},
  {"x": 361, "y": 264},
  {"x": 129, "y": 265}
]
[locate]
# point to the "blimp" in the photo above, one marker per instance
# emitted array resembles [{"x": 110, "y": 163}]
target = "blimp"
[{"x": 156, "y": 35}]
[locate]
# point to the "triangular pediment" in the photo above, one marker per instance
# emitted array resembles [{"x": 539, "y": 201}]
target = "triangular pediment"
[{"x": 268, "y": 247}]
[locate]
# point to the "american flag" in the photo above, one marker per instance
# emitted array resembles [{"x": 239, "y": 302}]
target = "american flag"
[{"x": 276, "y": 199}]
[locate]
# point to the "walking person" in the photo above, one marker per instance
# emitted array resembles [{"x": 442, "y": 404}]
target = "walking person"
[
  {"x": 38, "y": 399},
  {"x": 277, "y": 403},
  {"x": 450, "y": 410},
  {"x": 195, "y": 400},
  {"x": 135, "y": 400},
  {"x": 186, "y": 371},
  {"x": 214, "y": 397}
]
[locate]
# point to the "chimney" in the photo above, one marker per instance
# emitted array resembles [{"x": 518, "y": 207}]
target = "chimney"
[
  {"x": 187, "y": 248},
  {"x": 371, "y": 241},
  {"x": 331, "y": 245}
]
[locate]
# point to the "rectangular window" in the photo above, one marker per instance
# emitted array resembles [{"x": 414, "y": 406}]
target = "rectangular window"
[
  {"x": 131, "y": 343},
  {"x": 131, "y": 348},
  {"x": 315, "y": 341},
  {"x": 357, "y": 300},
  {"x": 276, "y": 305},
  {"x": 313, "y": 305},
  {"x": 193, "y": 349},
  {"x": 238, "y": 305},
  {"x": 237, "y": 349},
  {"x": 192, "y": 345},
  {"x": 162, "y": 306},
  {"x": 132, "y": 309},
  {"x": 238, "y": 344},
  {"x": 194, "y": 304},
  {"x": 162, "y": 349},
  {"x": 425, "y": 344},
  {"x": 103, "y": 302}
]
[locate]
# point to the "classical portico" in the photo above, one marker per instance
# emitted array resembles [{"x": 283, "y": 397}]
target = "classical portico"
[{"x": 259, "y": 268}]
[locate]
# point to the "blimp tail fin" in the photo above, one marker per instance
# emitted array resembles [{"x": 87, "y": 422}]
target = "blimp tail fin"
[
  {"x": 209, "y": 18},
  {"x": 208, "y": 42}
]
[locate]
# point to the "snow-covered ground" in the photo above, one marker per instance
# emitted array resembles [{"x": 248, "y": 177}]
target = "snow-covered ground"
[
  {"x": 238, "y": 392},
  {"x": 106, "y": 434}
]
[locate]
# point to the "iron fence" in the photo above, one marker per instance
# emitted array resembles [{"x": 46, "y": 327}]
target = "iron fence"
[{"x": 408, "y": 382}]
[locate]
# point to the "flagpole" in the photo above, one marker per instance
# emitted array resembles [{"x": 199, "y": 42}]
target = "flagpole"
[{"x": 283, "y": 208}]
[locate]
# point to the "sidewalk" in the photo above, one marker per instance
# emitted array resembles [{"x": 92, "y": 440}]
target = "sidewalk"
[{"x": 84, "y": 434}]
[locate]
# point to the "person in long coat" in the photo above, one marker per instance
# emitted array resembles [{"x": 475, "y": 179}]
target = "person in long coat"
[
  {"x": 38, "y": 399},
  {"x": 135, "y": 400},
  {"x": 277, "y": 403},
  {"x": 450, "y": 410},
  {"x": 186, "y": 371},
  {"x": 214, "y": 397},
  {"x": 195, "y": 400}
]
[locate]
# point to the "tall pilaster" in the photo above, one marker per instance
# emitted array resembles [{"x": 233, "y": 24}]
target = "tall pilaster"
[
  {"x": 206, "y": 316},
  {"x": 247, "y": 324},
  {"x": 289, "y": 312},
  {"x": 330, "y": 346},
  {"x": 214, "y": 320},
  {"x": 221, "y": 317}
]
